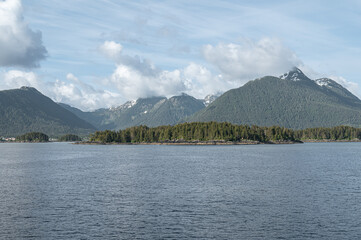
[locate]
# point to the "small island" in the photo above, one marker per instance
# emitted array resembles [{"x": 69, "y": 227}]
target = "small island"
[{"x": 33, "y": 137}]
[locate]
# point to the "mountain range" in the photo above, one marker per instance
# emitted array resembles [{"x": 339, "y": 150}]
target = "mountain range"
[
  {"x": 154, "y": 111},
  {"x": 292, "y": 100}
]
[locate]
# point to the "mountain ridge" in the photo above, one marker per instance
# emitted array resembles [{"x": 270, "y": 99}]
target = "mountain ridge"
[
  {"x": 293, "y": 100},
  {"x": 153, "y": 111},
  {"x": 27, "y": 110}
]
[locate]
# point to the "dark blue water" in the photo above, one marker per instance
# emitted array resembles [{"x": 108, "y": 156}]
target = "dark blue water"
[{"x": 65, "y": 191}]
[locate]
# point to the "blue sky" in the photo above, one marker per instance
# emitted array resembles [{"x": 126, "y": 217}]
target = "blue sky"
[{"x": 102, "y": 53}]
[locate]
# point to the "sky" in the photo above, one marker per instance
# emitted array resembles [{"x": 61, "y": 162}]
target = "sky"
[{"x": 101, "y": 53}]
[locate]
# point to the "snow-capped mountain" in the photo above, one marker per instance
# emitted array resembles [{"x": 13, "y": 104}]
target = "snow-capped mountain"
[{"x": 294, "y": 75}]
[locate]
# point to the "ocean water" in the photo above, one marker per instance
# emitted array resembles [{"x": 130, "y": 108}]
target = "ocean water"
[{"x": 66, "y": 191}]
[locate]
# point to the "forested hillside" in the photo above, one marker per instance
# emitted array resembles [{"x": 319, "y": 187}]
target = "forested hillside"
[
  {"x": 292, "y": 101},
  {"x": 27, "y": 110}
]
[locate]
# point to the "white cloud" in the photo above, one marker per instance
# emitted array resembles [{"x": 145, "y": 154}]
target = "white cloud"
[
  {"x": 249, "y": 59},
  {"x": 82, "y": 95},
  {"x": 19, "y": 45},
  {"x": 17, "y": 79},
  {"x": 111, "y": 50},
  {"x": 201, "y": 82},
  {"x": 134, "y": 84},
  {"x": 135, "y": 77}
]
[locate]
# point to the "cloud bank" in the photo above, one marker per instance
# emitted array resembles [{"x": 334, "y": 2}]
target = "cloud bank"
[
  {"x": 19, "y": 45},
  {"x": 135, "y": 77}
]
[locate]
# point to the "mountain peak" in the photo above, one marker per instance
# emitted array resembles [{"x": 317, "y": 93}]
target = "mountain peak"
[
  {"x": 27, "y": 110},
  {"x": 294, "y": 75},
  {"x": 26, "y": 88},
  {"x": 124, "y": 106}
]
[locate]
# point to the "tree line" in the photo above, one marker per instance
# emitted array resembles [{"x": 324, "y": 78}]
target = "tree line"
[
  {"x": 33, "y": 137},
  {"x": 195, "y": 131},
  {"x": 70, "y": 138},
  {"x": 214, "y": 131},
  {"x": 333, "y": 133},
  {"x": 207, "y": 131},
  {"x": 42, "y": 137}
]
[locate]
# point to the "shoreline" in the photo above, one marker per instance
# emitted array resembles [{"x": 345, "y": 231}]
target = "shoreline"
[
  {"x": 217, "y": 142},
  {"x": 191, "y": 143},
  {"x": 328, "y": 140}
]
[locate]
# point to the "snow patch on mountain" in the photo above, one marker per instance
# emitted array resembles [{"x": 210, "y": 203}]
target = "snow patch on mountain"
[
  {"x": 323, "y": 82},
  {"x": 210, "y": 98},
  {"x": 126, "y": 105}
]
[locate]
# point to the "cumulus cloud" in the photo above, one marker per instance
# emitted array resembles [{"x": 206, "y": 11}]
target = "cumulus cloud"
[
  {"x": 19, "y": 45},
  {"x": 249, "y": 59},
  {"x": 135, "y": 77},
  {"x": 200, "y": 81},
  {"x": 82, "y": 95},
  {"x": 133, "y": 83},
  {"x": 74, "y": 92},
  {"x": 111, "y": 50},
  {"x": 16, "y": 79}
]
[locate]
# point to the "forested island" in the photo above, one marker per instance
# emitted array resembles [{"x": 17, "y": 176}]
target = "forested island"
[
  {"x": 197, "y": 132},
  {"x": 41, "y": 137},
  {"x": 222, "y": 133},
  {"x": 33, "y": 137}
]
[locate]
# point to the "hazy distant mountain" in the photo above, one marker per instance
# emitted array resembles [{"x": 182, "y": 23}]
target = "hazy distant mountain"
[
  {"x": 154, "y": 111},
  {"x": 292, "y": 100},
  {"x": 99, "y": 118},
  {"x": 26, "y": 110}
]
